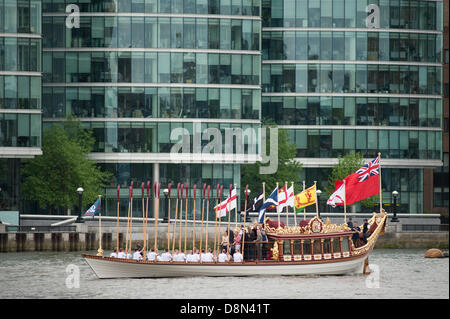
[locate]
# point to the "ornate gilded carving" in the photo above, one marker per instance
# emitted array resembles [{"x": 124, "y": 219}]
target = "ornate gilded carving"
[{"x": 275, "y": 251}]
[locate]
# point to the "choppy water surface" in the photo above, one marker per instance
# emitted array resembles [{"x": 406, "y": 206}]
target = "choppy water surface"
[{"x": 402, "y": 274}]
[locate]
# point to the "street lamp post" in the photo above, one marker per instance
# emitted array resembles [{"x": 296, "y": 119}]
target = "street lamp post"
[
  {"x": 318, "y": 192},
  {"x": 395, "y": 195},
  {"x": 80, "y": 191},
  {"x": 166, "y": 193}
]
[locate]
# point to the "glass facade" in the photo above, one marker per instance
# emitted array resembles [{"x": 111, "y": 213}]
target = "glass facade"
[
  {"x": 136, "y": 70},
  {"x": 340, "y": 83}
]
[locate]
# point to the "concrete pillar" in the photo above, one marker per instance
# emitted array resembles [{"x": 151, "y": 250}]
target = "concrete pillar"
[
  {"x": 47, "y": 244},
  {"x": 65, "y": 242}
]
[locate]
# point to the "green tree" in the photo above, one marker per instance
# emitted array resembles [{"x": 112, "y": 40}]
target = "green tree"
[
  {"x": 52, "y": 178},
  {"x": 288, "y": 169},
  {"x": 348, "y": 164}
]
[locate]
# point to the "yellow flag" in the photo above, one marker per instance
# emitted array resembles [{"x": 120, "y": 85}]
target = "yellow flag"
[{"x": 305, "y": 198}]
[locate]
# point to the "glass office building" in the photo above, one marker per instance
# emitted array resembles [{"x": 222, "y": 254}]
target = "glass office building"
[
  {"x": 20, "y": 93},
  {"x": 134, "y": 71},
  {"x": 357, "y": 75},
  {"x": 340, "y": 76}
]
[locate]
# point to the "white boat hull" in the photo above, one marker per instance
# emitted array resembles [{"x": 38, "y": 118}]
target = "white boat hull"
[{"x": 110, "y": 268}]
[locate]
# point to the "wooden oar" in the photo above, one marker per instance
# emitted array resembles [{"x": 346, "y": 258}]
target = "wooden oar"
[
  {"x": 207, "y": 218},
  {"x": 215, "y": 211},
  {"x": 144, "y": 227},
  {"x": 146, "y": 221},
  {"x": 193, "y": 224},
  {"x": 176, "y": 216},
  {"x": 117, "y": 240},
  {"x": 185, "y": 223},
  {"x": 128, "y": 220},
  {"x": 157, "y": 187},
  {"x": 229, "y": 220},
  {"x": 131, "y": 219},
  {"x": 168, "y": 214},
  {"x": 203, "y": 210},
  {"x": 245, "y": 219},
  {"x": 181, "y": 215}
]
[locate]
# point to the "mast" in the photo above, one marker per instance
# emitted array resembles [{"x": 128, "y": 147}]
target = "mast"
[
  {"x": 379, "y": 181},
  {"x": 317, "y": 204},
  {"x": 278, "y": 212},
  {"x": 295, "y": 213},
  {"x": 304, "y": 208},
  {"x": 100, "y": 250},
  {"x": 229, "y": 214},
  {"x": 345, "y": 203},
  {"x": 287, "y": 206}
]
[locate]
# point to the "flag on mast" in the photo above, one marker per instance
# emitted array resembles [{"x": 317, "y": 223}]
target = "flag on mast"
[
  {"x": 305, "y": 198},
  {"x": 227, "y": 205},
  {"x": 271, "y": 200},
  {"x": 285, "y": 198},
  {"x": 257, "y": 203},
  {"x": 360, "y": 185},
  {"x": 95, "y": 209}
]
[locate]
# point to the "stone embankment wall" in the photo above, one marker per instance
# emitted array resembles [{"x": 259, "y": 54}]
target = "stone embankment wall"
[{"x": 86, "y": 238}]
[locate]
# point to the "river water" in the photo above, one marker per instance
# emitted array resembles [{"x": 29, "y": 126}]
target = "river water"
[{"x": 399, "y": 274}]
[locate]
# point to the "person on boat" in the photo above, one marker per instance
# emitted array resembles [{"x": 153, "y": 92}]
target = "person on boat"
[
  {"x": 223, "y": 257},
  {"x": 196, "y": 255},
  {"x": 356, "y": 234},
  {"x": 237, "y": 241},
  {"x": 237, "y": 256},
  {"x": 264, "y": 241},
  {"x": 137, "y": 255},
  {"x": 350, "y": 223},
  {"x": 365, "y": 232},
  {"x": 113, "y": 254},
  {"x": 121, "y": 254},
  {"x": 225, "y": 241},
  {"x": 165, "y": 256},
  {"x": 190, "y": 258},
  {"x": 129, "y": 256},
  {"x": 151, "y": 255},
  {"x": 208, "y": 257}
]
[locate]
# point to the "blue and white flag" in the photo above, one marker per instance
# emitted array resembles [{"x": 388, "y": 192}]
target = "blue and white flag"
[
  {"x": 94, "y": 209},
  {"x": 271, "y": 200}
]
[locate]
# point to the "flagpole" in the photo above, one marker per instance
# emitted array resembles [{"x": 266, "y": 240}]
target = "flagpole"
[
  {"x": 100, "y": 250},
  {"x": 229, "y": 220},
  {"x": 245, "y": 220},
  {"x": 345, "y": 203},
  {"x": 185, "y": 223},
  {"x": 379, "y": 181},
  {"x": 304, "y": 208},
  {"x": 264, "y": 196},
  {"x": 317, "y": 204},
  {"x": 295, "y": 213},
  {"x": 235, "y": 210},
  {"x": 181, "y": 216},
  {"x": 117, "y": 239},
  {"x": 207, "y": 218},
  {"x": 215, "y": 210},
  {"x": 176, "y": 216},
  {"x": 168, "y": 213},
  {"x": 287, "y": 209}
]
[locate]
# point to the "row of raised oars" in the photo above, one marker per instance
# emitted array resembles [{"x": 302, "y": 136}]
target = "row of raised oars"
[{"x": 172, "y": 232}]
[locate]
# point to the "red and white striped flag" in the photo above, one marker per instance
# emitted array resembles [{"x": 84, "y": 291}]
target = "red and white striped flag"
[
  {"x": 227, "y": 205},
  {"x": 285, "y": 198}
]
